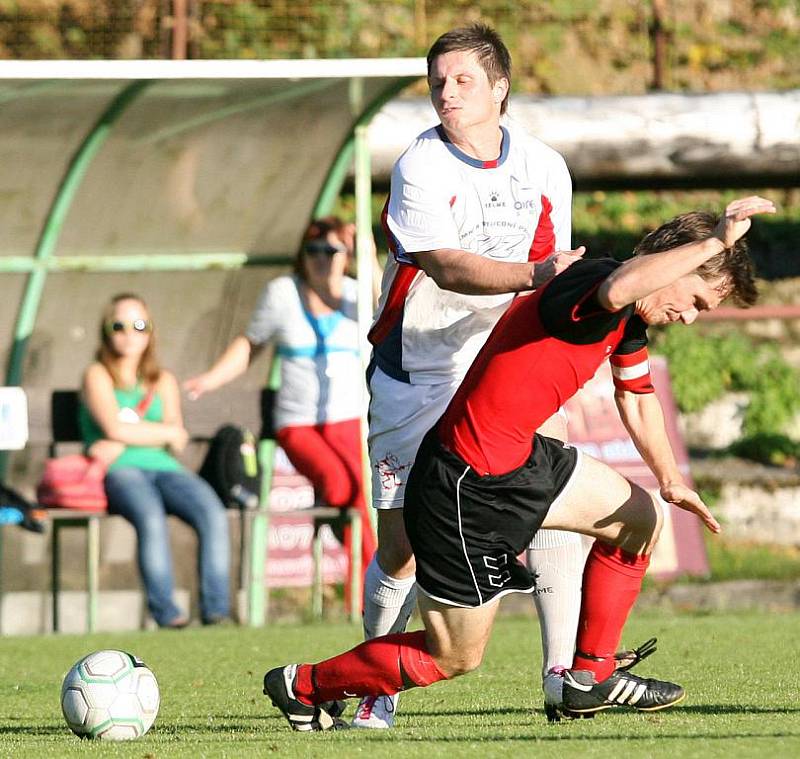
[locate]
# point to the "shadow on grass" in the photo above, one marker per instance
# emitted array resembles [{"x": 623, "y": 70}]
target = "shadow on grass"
[
  {"x": 711, "y": 709},
  {"x": 538, "y": 738},
  {"x": 707, "y": 709},
  {"x": 219, "y": 724},
  {"x": 34, "y": 730}
]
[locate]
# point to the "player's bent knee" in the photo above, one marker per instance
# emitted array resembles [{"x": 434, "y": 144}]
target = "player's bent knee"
[
  {"x": 457, "y": 664},
  {"x": 454, "y": 655},
  {"x": 642, "y": 522}
]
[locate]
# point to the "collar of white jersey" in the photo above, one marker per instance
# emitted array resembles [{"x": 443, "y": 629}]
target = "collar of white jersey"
[{"x": 475, "y": 162}]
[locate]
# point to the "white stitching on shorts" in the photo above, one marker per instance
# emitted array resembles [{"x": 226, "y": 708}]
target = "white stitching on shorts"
[{"x": 460, "y": 532}]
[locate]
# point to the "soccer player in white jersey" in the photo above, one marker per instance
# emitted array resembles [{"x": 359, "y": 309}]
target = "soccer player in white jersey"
[{"x": 476, "y": 214}]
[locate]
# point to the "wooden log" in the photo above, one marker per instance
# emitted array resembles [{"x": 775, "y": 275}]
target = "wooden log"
[{"x": 648, "y": 141}]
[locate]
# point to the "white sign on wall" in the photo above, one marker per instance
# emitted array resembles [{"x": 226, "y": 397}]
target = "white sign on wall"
[{"x": 13, "y": 418}]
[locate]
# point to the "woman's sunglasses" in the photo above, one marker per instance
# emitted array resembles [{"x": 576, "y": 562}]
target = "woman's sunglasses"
[
  {"x": 322, "y": 247},
  {"x": 137, "y": 325}
]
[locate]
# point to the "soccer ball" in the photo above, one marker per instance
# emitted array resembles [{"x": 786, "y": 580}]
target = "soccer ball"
[{"x": 110, "y": 695}]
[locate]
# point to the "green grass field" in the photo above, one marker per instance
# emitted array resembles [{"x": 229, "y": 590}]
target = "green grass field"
[{"x": 741, "y": 672}]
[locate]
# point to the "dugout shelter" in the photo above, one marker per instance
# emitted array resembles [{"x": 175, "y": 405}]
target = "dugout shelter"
[{"x": 187, "y": 182}]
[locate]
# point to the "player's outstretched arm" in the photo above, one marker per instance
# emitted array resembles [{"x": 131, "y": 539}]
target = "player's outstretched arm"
[
  {"x": 643, "y": 417},
  {"x": 464, "y": 272},
  {"x": 643, "y": 275}
]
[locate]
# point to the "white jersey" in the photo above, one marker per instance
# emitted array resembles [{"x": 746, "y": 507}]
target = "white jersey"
[
  {"x": 320, "y": 364},
  {"x": 516, "y": 209}
]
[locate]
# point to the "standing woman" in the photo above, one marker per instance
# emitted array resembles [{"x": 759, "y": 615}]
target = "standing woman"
[
  {"x": 130, "y": 418},
  {"x": 311, "y": 317}
]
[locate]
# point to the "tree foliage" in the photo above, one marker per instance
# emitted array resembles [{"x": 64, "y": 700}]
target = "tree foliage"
[{"x": 558, "y": 47}]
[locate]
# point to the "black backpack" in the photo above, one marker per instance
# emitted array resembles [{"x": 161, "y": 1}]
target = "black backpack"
[{"x": 231, "y": 467}]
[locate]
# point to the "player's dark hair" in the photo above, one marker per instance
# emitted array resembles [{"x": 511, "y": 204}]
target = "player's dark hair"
[
  {"x": 733, "y": 264},
  {"x": 485, "y": 43}
]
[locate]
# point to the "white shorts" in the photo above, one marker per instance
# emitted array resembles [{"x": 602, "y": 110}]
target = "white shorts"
[{"x": 399, "y": 416}]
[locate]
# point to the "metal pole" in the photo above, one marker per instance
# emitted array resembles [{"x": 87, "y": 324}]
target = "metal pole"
[
  {"x": 332, "y": 185},
  {"x": 258, "y": 591},
  {"x": 92, "y": 569},
  {"x": 363, "y": 178},
  {"x": 55, "y": 570},
  {"x": 356, "y": 144},
  {"x": 659, "y": 37},
  {"x": 355, "y": 565},
  {"x": 317, "y": 578},
  {"x": 180, "y": 30},
  {"x": 138, "y": 262}
]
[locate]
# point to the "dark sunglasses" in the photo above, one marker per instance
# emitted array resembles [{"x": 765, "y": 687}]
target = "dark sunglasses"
[
  {"x": 137, "y": 325},
  {"x": 322, "y": 247}
]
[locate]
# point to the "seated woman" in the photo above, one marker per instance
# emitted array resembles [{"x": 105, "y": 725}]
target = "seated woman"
[
  {"x": 311, "y": 316},
  {"x": 130, "y": 417}
]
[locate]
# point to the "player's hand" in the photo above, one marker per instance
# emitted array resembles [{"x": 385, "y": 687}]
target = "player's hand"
[
  {"x": 685, "y": 498},
  {"x": 736, "y": 220},
  {"x": 554, "y": 264}
]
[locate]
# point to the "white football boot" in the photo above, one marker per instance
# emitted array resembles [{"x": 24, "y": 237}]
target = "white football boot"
[{"x": 553, "y": 687}]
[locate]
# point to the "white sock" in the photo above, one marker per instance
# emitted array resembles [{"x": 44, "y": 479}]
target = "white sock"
[
  {"x": 388, "y": 601},
  {"x": 557, "y": 558}
]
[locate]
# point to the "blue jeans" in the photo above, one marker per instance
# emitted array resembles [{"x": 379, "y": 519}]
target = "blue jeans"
[{"x": 145, "y": 498}]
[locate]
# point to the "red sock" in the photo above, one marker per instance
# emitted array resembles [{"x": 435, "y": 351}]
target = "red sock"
[
  {"x": 377, "y": 667},
  {"x": 611, "y": 583}
]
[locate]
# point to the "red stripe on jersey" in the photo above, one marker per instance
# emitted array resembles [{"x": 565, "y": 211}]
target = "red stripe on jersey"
[
  {"x": 631, "y": 372},
  {"x": 544, "y": 238},
  {"x": 490, "y": 164},
  {"x": 395, "y": 301},
  {"x": 452, "y": 201}
]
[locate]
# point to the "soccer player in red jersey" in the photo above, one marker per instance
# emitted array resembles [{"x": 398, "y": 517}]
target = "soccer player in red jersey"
[{"x": 485, "y": 481}]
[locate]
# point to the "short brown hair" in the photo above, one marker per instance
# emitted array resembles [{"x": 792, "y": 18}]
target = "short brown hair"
[
  {"x": 733, "y": 264},
  {"x": 485, "y": 42}
]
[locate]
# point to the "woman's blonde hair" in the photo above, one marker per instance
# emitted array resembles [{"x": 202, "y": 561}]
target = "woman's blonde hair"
[{"x": 148, "y": 370}]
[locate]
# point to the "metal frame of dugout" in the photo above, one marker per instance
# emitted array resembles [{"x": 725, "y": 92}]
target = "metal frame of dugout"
[{"x": 133, "y": 78}]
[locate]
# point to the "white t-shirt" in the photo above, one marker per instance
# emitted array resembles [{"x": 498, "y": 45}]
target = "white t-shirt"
[
  {"x": 320, "y": 366},
  {"x": 514, "y": 209}
]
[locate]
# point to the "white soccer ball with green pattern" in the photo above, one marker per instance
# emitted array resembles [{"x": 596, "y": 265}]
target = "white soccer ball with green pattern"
[{"x": 110, "y": 695}]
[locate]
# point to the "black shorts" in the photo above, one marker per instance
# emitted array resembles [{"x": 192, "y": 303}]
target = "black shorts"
[{"x": 467, "y": 531}]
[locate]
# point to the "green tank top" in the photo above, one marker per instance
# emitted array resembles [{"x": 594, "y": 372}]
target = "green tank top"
[{"x": 139, "y": 456}]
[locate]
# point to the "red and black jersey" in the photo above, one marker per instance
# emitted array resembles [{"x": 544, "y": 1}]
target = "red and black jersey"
[{"x": 543, "y": 350}]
